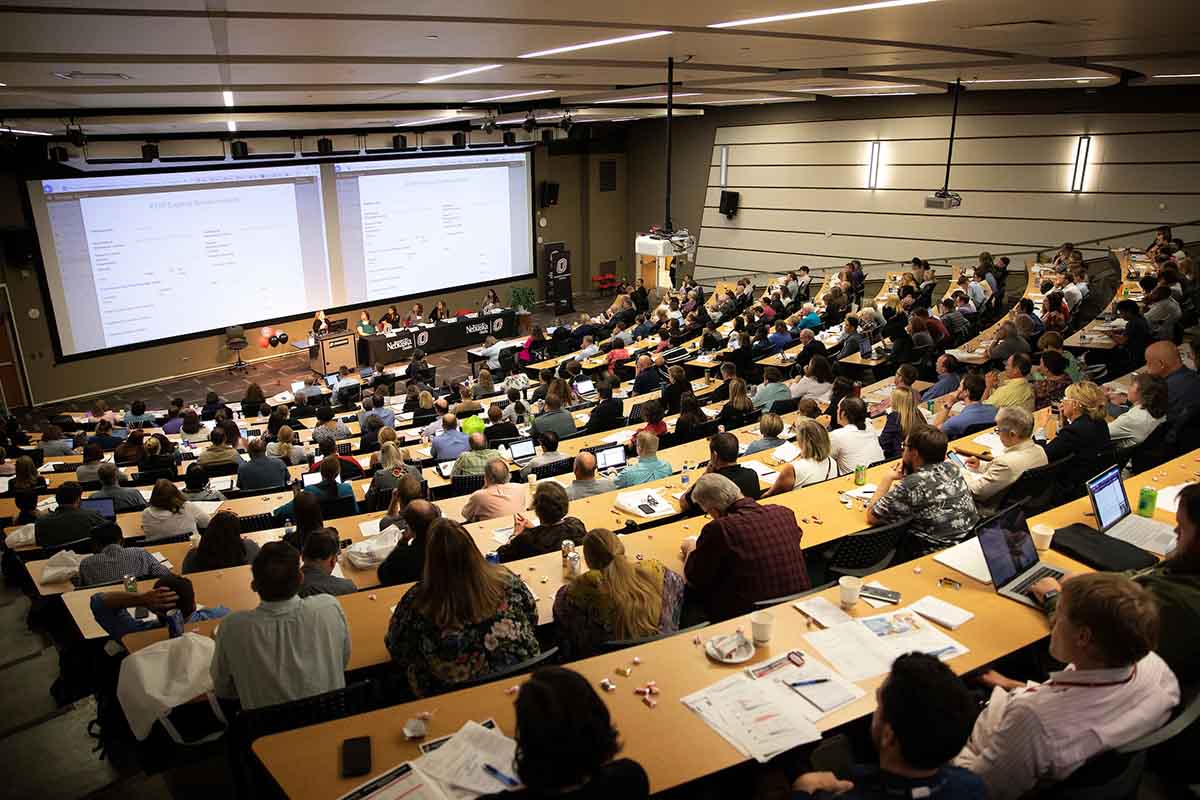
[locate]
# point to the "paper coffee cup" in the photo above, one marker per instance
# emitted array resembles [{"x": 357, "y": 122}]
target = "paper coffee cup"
[
  {"x": 849, "y": 587},
  {"x": 1042, "y": 535},
  {"x": 761, "y": 623}
]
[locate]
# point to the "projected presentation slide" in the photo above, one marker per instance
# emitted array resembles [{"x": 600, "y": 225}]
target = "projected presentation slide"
[
  {"x": 412, "y": 226},
  {"x": 137, "y": 258}
]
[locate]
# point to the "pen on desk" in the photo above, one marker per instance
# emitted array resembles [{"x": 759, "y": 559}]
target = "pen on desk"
[
  {"x": 507, "y": 780},
  {"x": 810, "y": 682}
]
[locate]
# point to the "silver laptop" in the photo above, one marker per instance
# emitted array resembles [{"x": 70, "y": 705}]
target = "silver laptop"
[
  {"x": 1115, "y": 517},
  {"x": 313, "y": 478},
  {"x": 297, "y": 386},
  {"x": 610, "y": 458},
  {"x": 585, "y": 387},
  {"x": 1012, "y": 559},
  {"x": 521, "y": 451}
]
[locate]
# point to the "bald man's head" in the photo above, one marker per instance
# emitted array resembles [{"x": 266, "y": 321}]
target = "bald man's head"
[
  {"x": 1162, "y": 358},
  {"x": 449, "y": 422},
  {"x": 419, "y": 515},
  {"x": 585, "y": 465},
  {"x": 476, "y": 441}
]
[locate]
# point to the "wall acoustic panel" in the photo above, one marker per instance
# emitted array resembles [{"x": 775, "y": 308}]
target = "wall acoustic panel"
[{"x": 805, "y": 196}]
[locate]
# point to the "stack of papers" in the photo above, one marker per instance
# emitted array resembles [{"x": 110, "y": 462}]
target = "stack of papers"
[
  {"x": 1168, "y": 497},
  {"x": 864, "y": 492},
  {"x": 786, "y": 452},
  {"x": 4, "y": 483},
  {"x": 765, "y": 474},
  {"x": 644, "y": 503},
  {"x": 991, "y": 441},
  {"x": 458, "y": 764},
  {"x": 945, "y": 614},
  {"x": 867, "y": 647},
  {"x": 823, "y": 612}
]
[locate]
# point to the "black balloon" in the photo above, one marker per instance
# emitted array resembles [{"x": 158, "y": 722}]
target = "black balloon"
[
  {"x": 274, "y": 340},
  {"x": 283, "y": 337}
]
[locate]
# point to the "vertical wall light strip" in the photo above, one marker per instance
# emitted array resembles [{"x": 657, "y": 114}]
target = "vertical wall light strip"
[
  {"x": 1081, "y": 158},
  {"x": 724, "y": 166},
  {"x": 873, "y": 167}
]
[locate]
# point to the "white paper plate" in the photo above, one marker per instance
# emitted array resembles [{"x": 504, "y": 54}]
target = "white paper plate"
[{"x": 739, "y": 656}]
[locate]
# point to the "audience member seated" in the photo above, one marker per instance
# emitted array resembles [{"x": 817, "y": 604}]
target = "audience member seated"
[
  {"x": 770, "y": 426},
  {"x": 987, "y": 481},
  {"x": 392, "y": 469},
  {"x": 351, "y": 469},
  {"x": 649, "y": 466},
  {"x": 473, "y": 461},
  {"x": 68, "y": 522},
  {"x": 212, "y": 404},
  {"x": 647, "y": 378},
  {"x": 773, "y": 388},
  {"x": 948, "y": 378},
  {"x": 903, "y": 418},
  {"x": 1015, "y": 389},
  {"x": 450, "y": 443},
  {"x": 320, "y": 559},
  {"x": 196, "y": 485},
  {"x": 975, "y": 412},
  {"x": 1084, "y": 433},
  {"x": 169, "y": 513},
  {"x": 155, "y": 460},
  {"x": 813, "y": 465},
  {"x": 550, "y": 503},
  {"x": 1113, "y": 690},
  {"x": 1135, "y": 337},
  {"x": 1054, "y": 379},
  {"x": 1162, "y": 314},
  {"x": 923, "y": 716},
  {"x": 1007, "y": 343},
  {"x": 104, "y": 437},
  {"x": 1183, "y": 384},
  {"x": 852, "y": 341},
  {"x": 330, "y": 488},
  {"x": 130, "y": 451},
  {"x": 615, "y": 598},
  {"x": 746, "y": 552},
  {"x": 26, "y": 478},
  {"x": 218, "y": 452},
  {"x": 136, "y": 416},
  {"x": 112, "y": 561},
  {"x": 328, "y": 427},
  {"x": 1148, "y": 409},
  {"x": 817, "y": 383},
  {"x": 261, "y": 471},
  {"x": 549, "y": 455},
  {"x": 463, "y": 620},
  {"x": 191, "y": 429},
  {"x": 925, "y": 486},
  {"x": 653, "y": 419},
  {"x": 555, "y": 418},
  {"x": 407, "y": 559},
  {"x": 498, "y": 428},
  {"x": 56, "y": 443},
  {"x": 285, "y": 447},
  {"x": 221, "y": 545},
  {"x": 306, "y": 509},
  {"x": 566, "y": 743},
  {"x": 170, "y": 593},
  {"x": 498, "y": 498},
  {"x": 287, "y": 648},
  {"x": 586, "y": 484},
  {"x": 738, "y": 406},
  {"x": 854, "y": 443},
  {"x": 123, "y": 499}
]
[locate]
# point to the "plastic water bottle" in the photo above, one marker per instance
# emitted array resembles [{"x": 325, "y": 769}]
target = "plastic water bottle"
[
  {"x": 684, "y": 478},
  {"x": 288, "y": 528}
]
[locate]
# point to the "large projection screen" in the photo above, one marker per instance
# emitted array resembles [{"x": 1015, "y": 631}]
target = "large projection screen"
[{"x": 141, "y": 258}]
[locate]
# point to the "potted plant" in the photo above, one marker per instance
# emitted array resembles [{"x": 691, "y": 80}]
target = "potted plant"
[{"x": 522, "y": 298}]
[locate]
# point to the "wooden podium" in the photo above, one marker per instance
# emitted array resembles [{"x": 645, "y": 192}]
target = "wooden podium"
[{"x": 333, "y": 350}]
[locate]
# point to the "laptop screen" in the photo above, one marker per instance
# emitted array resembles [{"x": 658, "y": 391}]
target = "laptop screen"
[
  {"x": 1109, "y": 500},
  {"x": 313, "y": 478},
  {"x": 522, "y": 448},
  {"x": 340, "y": 324},
  {"x": 332, "y": 379},
  {"x": 611, "y": 457},
  {"x": 585, "y": 386},
  {"x": 297, "y": 386},
  {"x": 101, "y": 505},
  {"x": 1007, "y": 548}
]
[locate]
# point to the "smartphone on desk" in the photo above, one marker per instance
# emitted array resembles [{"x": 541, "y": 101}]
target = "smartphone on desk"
[
  {"x": 882, "y": 595},
  {"x": 356, "y": 756}
]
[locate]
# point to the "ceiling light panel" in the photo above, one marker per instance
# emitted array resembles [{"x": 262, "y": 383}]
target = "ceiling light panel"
[
  {"x": 516, "y": 96},
  {"x": 600, "y": 43},
  {"x": 819, "y": 12},
  {"x": 460, "y": 73}
]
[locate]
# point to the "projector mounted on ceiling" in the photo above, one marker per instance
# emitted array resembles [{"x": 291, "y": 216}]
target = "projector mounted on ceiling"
[{"x": 943, "y": 200}]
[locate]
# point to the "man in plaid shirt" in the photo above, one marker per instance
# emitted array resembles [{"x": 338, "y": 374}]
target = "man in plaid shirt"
[
  {"x": 748, "y": 552},
  {"x": 114, "y": 561}
]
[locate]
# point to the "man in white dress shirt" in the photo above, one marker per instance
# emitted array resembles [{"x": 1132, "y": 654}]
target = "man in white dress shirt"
[{"x": 1114, "y": 690}]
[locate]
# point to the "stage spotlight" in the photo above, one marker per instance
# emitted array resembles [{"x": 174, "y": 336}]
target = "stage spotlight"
[
  {"x": 566, "y": 123},
  {"x": 530, "y": 123},
  {"x": 489, "y": 124}
]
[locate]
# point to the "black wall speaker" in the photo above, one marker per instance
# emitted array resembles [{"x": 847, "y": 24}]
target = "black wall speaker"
[
  {"x": 58, "y": 153},
  {"x": 510, "y": 138},
  {"x": 459, "y": 139},
  {"x": 325, "y": 146},
  {"x": 729, "y": 203},
  {"x": 549, "y": 194},
  {"x": 238, "y": 149},
  {"x": 149, "y": 151},
  {"x": 399, "y": 142}
]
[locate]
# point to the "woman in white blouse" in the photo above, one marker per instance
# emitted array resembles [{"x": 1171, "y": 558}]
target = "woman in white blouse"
[
  {"x": 1148, "y": 409},
  {"x": 285, "y": 447},
  {"x": 170, "y": 513},
  {"x": 817, "y": 383},
  {"x": 813, "y": 465}
]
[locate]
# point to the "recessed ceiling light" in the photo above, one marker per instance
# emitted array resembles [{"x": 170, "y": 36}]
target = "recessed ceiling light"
[
  {"x": 511, "y": 96},
  {"x": 1181, "y": 75},
  {"x": 747, "y": 100},
  {"x": 431, "y": 36},
  {"x": 444, "y": 118},
  {"x": 646, "y": 97},
  {"x": 5, "y": 84},
  {"x": 602, "y": 43},
  {"x": 460, "y": 73},
  {"x": 1032, "y": 80},
  {"x": 231, "y": 126},
  {"x": 875, "y": 94},
  {"x": 858, "y": 88},
  {"x": 227, "y": 96},
  {"x": 820, "y": 12},
  {"x": 28, "y": 133}
]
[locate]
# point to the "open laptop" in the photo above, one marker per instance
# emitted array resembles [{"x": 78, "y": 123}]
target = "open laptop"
[
  {"x": 340, "y": 324},
  {"x": 1011, "y": 557},
  {"x": 297, "y": 386},
  {"x": 611, "y": 457},
  {"x": 585, "y": 387},
  {"x": 1115, "y": 517},
  {"x": 313, "y": 478},
  {"x": 521, "y": 451},
  {"x": 102, "y": 506},
  {"x": 332, "y": 380}
]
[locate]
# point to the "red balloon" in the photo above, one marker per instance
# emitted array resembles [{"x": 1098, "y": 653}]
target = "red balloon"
[
  {"x": 264, "y": 342},
  {"x": 266, "y": 331}
]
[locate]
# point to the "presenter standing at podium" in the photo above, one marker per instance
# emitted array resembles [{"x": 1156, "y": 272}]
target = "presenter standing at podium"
[{"x": 319, "y": 325}]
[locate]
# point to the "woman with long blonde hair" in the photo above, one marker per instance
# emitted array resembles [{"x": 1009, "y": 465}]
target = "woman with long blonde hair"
[
  {"x": 814, "y": 464},
  {"x": 464, "y": 619},
  {"x": 615, "y": 598},
  {"x": 902, "y": 420},
  {"x": 739, "y": 403}
]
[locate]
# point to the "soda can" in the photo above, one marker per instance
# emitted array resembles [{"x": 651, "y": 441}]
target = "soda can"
[
  {"x": 860, "y": 475},
  {"x": 929, "y": 405},
  {"x": 174, "y": 623},
  {"x": 493, "y": 557},
  {"x": 130, "y": 583},
  {"x": 575, "y": 564},
  {"x": 1147, "y": 502},
  {"x": 568, "y": 548}
]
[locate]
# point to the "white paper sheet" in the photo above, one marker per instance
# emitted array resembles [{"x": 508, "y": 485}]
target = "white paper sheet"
[
  {"x": 967, "y": 558},
  {"x": 207, "y": 506},
  {"x": 1168, "y": 497},
  {"x": 945, "y": 614},
  {"x": 757, "y": 717},
  {"x": 823, "y": 612},
  {"x": 991, "y": 441},
  {"x": 1157, "y": 537},
  {"x": 370, "y": 527},
  {"x": 459, "y": 762},
  {"x": 867, "y": 647}
]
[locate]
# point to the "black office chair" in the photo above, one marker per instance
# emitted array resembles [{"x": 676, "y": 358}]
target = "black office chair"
[
  {"x": 341, "y": 507},
  {"x": 785, "y": 406},
  {"x": 560, "y": 467},
  {"x": 465, "y": 484},
  {"x": 528, "y": 665},
  {"x": 865, "y": 553},
  {"x": 251, "y": 523},
  {"x": 219, "y": 470},
  {"x": 787, "y": 598},
  {"x": 236, "y": 342},
  {"x": 1035, "y": 488},
  {"x": 613, "y": 645}
]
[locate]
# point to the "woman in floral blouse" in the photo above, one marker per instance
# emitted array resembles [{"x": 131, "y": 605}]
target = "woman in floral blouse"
[
  {"x": 463, "y": 620},
  {"x": 615, "y": 599}
]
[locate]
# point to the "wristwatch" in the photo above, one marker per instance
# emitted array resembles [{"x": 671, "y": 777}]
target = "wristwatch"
[{"x": 1049, "y": 596}]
